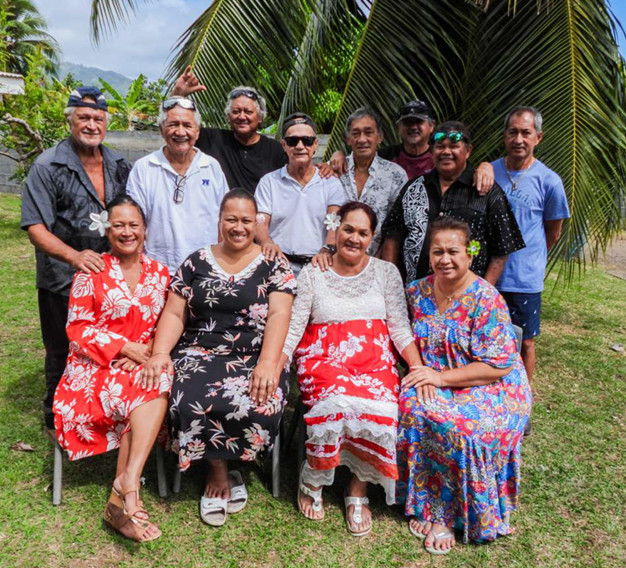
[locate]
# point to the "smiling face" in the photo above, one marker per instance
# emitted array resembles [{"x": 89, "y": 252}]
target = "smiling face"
[
  {"x": 244, "y": 117},
  {"x": 300, "y": 155},
  {"x": 364, "y": 137},
  {"x": 87, "y": 126},
  {"x": 448, "y": 255},
  {"x": 450, "y": 157},
  {"x": 180, "y": 131},
  {"x": 127, "y": 231},
  {"x": 415, "y": 132},
  {"x": 521, "y": 136},
  {"x": 236, "y": 223},
  {"x": 354, "y": 235}
]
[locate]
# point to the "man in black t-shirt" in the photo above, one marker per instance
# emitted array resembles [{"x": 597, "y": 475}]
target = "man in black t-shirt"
[{"x": 244, "y": 154}]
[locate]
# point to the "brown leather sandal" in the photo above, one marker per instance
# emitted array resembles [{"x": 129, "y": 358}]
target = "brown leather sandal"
[{"x": 118, "y": 518}]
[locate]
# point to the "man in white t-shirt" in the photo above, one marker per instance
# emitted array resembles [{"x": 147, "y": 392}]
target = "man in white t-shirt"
[
  {"x": 294, "y": 201},
  {"x": 178, "y": 187}
]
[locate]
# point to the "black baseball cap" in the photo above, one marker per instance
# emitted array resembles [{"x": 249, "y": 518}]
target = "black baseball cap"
[
  {"x": 298, "y": 118},
  {"x": 415, "y": 109},
  {"x": 79, "y": 93}
]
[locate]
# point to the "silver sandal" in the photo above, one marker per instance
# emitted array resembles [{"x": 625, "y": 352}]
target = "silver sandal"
[
  {"x": 357, "y": 514},
  {"x": 315, "y": 494},
  {"x": 446, "y": 533},
  {"x": 238, "y": 493}
]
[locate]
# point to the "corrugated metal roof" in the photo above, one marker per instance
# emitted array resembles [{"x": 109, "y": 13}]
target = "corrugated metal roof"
[{"x": 11, "y": 75}]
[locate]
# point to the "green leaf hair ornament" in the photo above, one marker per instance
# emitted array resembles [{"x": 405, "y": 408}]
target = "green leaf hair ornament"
[{"x": 473, "y": 249}]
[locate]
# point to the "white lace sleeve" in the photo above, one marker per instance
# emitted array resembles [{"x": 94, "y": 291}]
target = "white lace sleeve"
[
  {"x": 397, "y": 313},
  {"x": 301, "y": 311}
]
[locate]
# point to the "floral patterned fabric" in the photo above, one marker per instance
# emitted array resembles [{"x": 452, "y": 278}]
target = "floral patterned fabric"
[
  {"x": 460, "y": 455},
  {"x": 211, "y": 415},
  {"x": 94, "y": 400}
]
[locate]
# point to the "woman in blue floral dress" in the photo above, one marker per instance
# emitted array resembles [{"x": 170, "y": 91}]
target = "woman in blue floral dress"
[
  {"x": 462, "y": 415},
  {"x": 221, "y": 334}
]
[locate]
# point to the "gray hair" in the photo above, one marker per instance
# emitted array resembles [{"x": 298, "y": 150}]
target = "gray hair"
[
  {"x": 163, "y": 113},
  {"x": 364, "y": 112},
  {"x": 261, "y": 105},
  {"x": 68, "y": 112},
  {"x": 522, "y": 109}
]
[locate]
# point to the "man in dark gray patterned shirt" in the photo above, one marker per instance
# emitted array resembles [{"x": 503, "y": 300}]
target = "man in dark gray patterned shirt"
[{"x": 63, "y": 210}]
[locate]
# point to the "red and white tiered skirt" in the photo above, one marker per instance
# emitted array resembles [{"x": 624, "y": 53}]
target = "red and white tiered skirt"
[{"x": 348, "y": 379}]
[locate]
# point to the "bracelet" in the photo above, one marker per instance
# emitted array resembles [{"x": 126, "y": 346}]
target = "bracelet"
[
  {"x": 160, "y": 352},
  {"x": 416, "y": 366}
]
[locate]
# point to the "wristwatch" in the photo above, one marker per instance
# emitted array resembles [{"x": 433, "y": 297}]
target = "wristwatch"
[{"x": 332, "y": 249}]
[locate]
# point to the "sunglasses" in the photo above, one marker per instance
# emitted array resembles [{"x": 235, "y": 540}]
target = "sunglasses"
[
  {"x": 183, "y": 103},
  {"x": 453, "y": 136},
  {"x": 292, "y": 141},
  {"x": 179, "y": 189},
  {"x": 244, "y": 93}
]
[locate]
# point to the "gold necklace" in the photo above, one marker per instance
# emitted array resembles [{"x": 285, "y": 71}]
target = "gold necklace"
[
  {"x": 449, "y": 299},
  {"x": 514, "y": 183}
]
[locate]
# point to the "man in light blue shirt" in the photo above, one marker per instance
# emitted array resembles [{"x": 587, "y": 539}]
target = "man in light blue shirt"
[{"x": 538, "y": 200}]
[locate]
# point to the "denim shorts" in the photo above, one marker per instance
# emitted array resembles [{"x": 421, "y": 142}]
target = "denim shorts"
[{"x": 525, "y": 310}]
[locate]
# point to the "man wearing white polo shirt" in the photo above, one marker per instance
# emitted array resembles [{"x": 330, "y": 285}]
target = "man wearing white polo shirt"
[
  {"x": 294, "y": 201},
  {"x": 178, "y": 187}
]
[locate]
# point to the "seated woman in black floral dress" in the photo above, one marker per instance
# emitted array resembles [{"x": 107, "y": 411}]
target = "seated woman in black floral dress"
[{"x": 224, "y": 325}]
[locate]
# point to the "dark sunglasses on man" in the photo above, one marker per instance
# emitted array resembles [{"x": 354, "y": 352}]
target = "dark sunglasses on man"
[
  {"x": 292, "y": 141},
  {"x": 453, "y": 136},
  {"x": 181, "y": 102},
  {"x": 244, "y": 93}
]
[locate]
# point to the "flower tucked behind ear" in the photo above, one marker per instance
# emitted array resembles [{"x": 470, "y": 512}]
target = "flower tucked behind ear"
[
  {"x": 473, "y": 248},
  {"x": 332, "y": 221},
  {"x": 100, "y": 222}
]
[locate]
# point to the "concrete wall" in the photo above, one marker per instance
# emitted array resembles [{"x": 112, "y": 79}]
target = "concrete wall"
[{"x": 131, "y": 145}]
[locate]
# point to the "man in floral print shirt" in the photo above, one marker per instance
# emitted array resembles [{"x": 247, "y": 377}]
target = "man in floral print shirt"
[{"x": 63, "y": 210}]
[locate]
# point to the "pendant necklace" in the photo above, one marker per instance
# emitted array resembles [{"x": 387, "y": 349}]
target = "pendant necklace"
[{"x": 514, "y": 183}]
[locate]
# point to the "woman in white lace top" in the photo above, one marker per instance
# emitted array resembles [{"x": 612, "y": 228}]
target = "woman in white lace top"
[{"x": 343, "y": 325}]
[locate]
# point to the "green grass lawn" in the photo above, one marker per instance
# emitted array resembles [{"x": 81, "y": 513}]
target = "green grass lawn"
[{"x": 573, "y": 497}]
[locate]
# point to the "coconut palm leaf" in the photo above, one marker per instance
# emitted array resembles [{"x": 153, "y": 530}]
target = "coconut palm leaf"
[
  {"x": 236, "y": 42},
  {"x": 106, "y": 14},
  {"x": 475, "y": 65}
]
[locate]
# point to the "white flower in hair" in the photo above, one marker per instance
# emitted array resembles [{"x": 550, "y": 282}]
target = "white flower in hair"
[
  {"x": 100, "y": 222},
  {"x": 332, "y": 221}
]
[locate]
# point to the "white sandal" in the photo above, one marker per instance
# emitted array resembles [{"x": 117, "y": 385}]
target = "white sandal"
[
  {"x": 238, "y": 493},
  {"x": 315, "y": 494},
  {"x": 414, "y": 532},
  {"x": 213, "y": 510},
  {"x": 357, "y": 514},
  {"x": 447, "y": 533}
]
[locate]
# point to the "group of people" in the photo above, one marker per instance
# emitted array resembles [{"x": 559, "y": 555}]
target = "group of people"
[{"x": 183, "y": 289}]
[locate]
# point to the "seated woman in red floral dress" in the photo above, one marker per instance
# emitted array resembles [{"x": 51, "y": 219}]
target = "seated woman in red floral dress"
[
  {"x": 103, "y": 402},
  {"x": 344, "y": 322}
]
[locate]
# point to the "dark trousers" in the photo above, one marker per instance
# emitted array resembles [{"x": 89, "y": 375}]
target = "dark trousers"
[{"x": 53, "y": 316}]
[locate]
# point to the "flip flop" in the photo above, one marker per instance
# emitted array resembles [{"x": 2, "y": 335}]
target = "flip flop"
[
  {"x": 357, "y": 514},
  {"x": 440, "y": 536},
  {"x": 316, "y": 495},
  {"x": 213, "y": 510},
  {"x": 238, "y": 493},
  {"x": 414, "y": 532}
]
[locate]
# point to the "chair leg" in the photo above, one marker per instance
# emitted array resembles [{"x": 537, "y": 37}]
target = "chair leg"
[
  {"x": 177, "y": 480},
  {"x": 276, "y": 468},
  {"x": 161, "y": 476},
  {"x": 57, "y": 479}
]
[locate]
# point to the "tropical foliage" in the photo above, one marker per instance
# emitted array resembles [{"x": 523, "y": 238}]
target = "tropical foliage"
[
  {"x": 138, "y": 108},
  {"x": 472, "y": 60},
  {"x": 34, "y": 121},
  {"x": 22, "y": 31}
]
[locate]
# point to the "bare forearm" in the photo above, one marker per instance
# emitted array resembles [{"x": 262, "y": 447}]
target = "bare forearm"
[
  {"x": 472, "y": 375},
  {"x": 553, "y": 232},
  {"x": 411, "y": 355},
  {"x": 170, "y": 328},
  {"x": 46, "y": 242},
  {"x": 262, "y": 234},
  {"x": 495, "y": 268},
  {"x": 274, "y": 337},
  {"x": 390, "y": 250}
]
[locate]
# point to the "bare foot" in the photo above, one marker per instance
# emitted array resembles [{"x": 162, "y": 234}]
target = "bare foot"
[
  {"x": 440, "y": 538},
  {"x": 419, "y": 527},
  {"x": 307, "y": 506},
  {"x": 217, "y": 484},
  {"x": 133, "y": 508},
  {"x": 358, "y": 488}
]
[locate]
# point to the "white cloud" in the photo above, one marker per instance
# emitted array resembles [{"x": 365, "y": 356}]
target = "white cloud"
[{"x": 141, "y": 46}]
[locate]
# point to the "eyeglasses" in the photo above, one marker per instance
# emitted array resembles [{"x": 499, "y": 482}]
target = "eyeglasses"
[
  {"x": 292, "y": 141},
  {"x": 179, "y": 189},
  {"x": 453, "y": 136},
  {"x": 182, "y": 102},
  {"x": 244, "y": 93}
]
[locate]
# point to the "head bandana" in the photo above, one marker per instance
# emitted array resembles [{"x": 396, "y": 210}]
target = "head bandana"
[{"x": 79, "y": 93}]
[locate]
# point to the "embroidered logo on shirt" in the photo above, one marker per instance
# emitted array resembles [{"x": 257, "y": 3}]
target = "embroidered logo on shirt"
[{"x": 205, "y": 182}]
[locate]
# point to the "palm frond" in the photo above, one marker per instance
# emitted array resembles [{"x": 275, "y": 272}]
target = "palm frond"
[
  {"x": 107, "y": 14},
  {"x": 235, "y": 42}
]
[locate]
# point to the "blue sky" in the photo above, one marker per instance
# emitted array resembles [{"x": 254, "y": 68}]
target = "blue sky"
[{"x": 144, "y": 45}]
